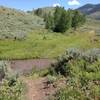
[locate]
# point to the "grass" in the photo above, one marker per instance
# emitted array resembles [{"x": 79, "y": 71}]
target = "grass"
[{"x": 42, "y": 44}]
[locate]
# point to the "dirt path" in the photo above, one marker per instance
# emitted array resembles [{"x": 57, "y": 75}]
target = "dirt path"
[
  {"x": 37, "y": 88},
  {"x": 24, "y": 66}
]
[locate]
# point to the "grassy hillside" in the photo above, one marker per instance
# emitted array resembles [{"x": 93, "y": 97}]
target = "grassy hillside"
[
  {"x": 16, "y": 23},
  {"x": 96, "y": 15},
  {"x": 43, "y": 11},
  {"x": 91, "y": 25}
]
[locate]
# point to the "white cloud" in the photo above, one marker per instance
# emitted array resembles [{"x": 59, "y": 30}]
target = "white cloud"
[
  {"x": 56, "y": 4},
  {"x": 73, "y": 2}
]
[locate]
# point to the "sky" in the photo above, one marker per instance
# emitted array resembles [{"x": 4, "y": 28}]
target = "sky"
[{"x": 33, "y": 4}]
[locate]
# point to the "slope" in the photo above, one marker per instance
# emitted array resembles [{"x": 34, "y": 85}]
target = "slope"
[
  {"x": 15, "y": 23},
  {"x": 92, "y": 10}
]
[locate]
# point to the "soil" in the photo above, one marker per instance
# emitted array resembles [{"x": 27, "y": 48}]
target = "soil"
[
  {"x": 25, "y": 66},
  {"x": 37, "y": 89}
]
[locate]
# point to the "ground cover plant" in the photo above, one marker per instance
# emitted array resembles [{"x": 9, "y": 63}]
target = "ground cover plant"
[
  {"x": 11, "y": 88},
  {"x": 44, "y": 44},
  {"x": 82, "y": 72}
]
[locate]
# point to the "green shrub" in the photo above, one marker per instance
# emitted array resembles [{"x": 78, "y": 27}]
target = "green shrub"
[
  {"x": 78, "y": 19},
  {"x": 51, "y": 79},
  {"x": 11, "y": 88},
  {"x": 3, "y": 69},
  {"x": 91, "y": 55},
  {"x": 82, "y": 71},
  {"x": 69, "y": 94},
  {"x": 11, "y": 91}
]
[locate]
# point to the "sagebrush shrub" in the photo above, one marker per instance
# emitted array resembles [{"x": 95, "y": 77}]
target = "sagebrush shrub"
[
  {"x": 9, "y": 91},
  {"x": 11, "y": 88},
  {"x": 3, "y": 69},
  {"x": 82, "y": 72},
  {"x": 15, "y": 24}
]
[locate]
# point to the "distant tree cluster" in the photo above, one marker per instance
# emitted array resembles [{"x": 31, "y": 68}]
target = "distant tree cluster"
[
  {"x": 39, "y": 12},
  {"x": 63, "y": 20}
]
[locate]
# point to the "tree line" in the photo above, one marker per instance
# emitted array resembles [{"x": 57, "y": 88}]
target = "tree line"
[{"x": 62, "y": 20}]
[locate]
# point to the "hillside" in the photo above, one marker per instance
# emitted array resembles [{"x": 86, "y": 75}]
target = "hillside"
[
  {"x": 91, "y": 10},
  {"x": 40, "y": 43},
  {"x": 16, "y": 23},
  {"x": 42, "y": 11}
]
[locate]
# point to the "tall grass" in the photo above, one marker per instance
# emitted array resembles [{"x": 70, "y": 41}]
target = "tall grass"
[{"x": 36, "y": 46}]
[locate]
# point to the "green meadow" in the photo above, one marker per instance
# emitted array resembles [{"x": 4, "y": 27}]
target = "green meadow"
[{"x": 43, "y": 44}]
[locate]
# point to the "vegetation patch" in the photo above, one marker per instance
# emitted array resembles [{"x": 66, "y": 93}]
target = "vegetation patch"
[
  {"x": 63, "y": 20},
  {"x": 11, "y": 88},
  {"x": 82, "y": 72},
  {"x": 52, "y": 46},
  {"x": 16, "y": 24}
]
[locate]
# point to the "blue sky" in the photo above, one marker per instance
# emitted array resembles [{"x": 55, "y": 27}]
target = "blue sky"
[{"x": 30, "y": 4}]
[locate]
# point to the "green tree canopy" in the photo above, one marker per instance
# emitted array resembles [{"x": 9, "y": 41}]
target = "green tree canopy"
[
  {"x": 78, "y": 19},
  {"x": 63, "y": 20}
]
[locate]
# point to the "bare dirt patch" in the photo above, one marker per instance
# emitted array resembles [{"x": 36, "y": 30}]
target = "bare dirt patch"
[
  {"x": 24, "y": 66},
  {"x": 37, "y": 89}
]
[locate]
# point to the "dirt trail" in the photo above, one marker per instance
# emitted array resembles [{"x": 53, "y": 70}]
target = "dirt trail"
[
  {"x": 24, "y": 66},
  {"x": 37, "y": 88}
]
